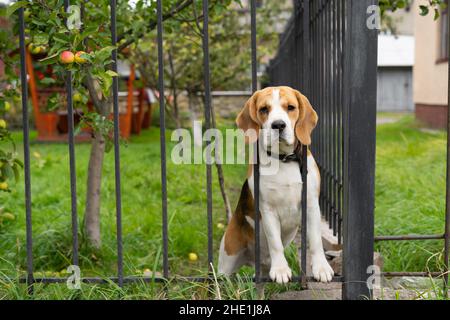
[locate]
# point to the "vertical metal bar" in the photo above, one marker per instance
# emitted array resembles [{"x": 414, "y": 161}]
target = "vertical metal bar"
[
  {"x": 359, "y": 162},
  {"x": 324, "y": 105},
  {"x": 306, "y": 48},
  {"x": 72, "y": 164},
  {"x": 116, "y": 146},
  {"x": 447, "y": 208},
  {"x": 330, "y": 113},
  {"x": 319, "y": 96},
  {"x": 342, "y": 38},
  {"x": 162, "y": 133},
  {"x": 335, "y": 140},
  {"x": 26, "y": 152},
  {"x": 296, "y": 58},
  {"x": 332, "y": 107},
  {"x": 333, "y": 111},
  {"x": 304, "y": 223},
  {"x": 206, "y": 75},
  {"x": 327, "y": 110},
  {"x": 256, "y": 148},
  {"x": 324, "y": 108}
]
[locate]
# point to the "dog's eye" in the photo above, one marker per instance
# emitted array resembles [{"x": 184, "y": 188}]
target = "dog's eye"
[
  {"x": 291, "y": 108},
  {"x": 264, "y": 110}
]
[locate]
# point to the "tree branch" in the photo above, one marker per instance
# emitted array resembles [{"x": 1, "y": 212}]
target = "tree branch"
[
  {"x": 90, "y": 85},
  {"x": 152, "y": 25}
]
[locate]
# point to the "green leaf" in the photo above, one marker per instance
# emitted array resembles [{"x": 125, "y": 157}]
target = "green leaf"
[
  {"x": 48, "y": 81},
  {"x": 7, "y": 171},
  {"x": 18, "y": 162},
  {"x": 86, "y": 56},
  {"x": 53, "y": 102},
  {"x": 40, "y": 38},
  {"x": 424, "y": 10},
  {"x": 436, "y": 14},
  {"x": 401, "y": 4},
  {"x": 112, "y": 73},
  {"x": 16, "y": 172},
  {"x": 105, "y": 82},
  {"x": 88, "y": 31},
  {"x": 104, "y": 53},
  {"x": 15, "y": 6}
]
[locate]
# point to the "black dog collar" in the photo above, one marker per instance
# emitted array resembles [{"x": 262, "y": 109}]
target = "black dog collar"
[{"x": 293, "y": 157}]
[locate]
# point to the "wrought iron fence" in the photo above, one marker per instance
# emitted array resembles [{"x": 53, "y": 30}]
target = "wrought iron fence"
[{"x": 330, "y": 54}]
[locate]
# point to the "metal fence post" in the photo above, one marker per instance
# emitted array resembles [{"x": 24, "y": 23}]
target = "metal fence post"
[{"x": 359, "y": 149}]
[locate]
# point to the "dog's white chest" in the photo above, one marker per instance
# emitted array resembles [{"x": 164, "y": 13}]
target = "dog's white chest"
[
  {"x": 284, "y": 188},
  {"x": 280, "y": 194}
]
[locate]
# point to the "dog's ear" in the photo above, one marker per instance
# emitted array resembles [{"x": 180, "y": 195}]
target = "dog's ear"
[
  {"x": 248, "y": 121},
  {"x": 307, "y": 120}
]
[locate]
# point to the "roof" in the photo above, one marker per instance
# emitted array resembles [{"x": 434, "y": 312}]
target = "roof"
[{"x": 395, "y": 51}]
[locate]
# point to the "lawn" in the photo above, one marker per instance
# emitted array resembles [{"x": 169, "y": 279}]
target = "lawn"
[
  {"x": 410, "y": 193},
  {"x": 410, "y": 189}
]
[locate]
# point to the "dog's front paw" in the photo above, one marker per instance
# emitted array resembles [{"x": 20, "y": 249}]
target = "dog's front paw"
[
  {"x": 321, "y": 269},
  {"x": 280, "y": 274}
]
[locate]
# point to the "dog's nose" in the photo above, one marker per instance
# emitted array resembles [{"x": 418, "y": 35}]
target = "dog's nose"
[{"x": 279, "y": 125}]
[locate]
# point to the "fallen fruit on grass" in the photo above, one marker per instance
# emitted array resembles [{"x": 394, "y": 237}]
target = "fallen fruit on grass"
[
  {"x": 193, "y": 256},
  {"x": 67, "y": 57},
  {"x": 8, "y": 216},
  {"x": 78, "y": 58},
  {"x": 147, "y": 273},
  {"x": 2, "y": 124},
  {"x": 220, "y": 225},
  {"x": 7, "y": 106},
  {"x": 3, "y": 185}
]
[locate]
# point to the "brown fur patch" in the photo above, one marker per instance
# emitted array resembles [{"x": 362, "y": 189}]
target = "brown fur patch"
[{"x": 239, "y": 232}]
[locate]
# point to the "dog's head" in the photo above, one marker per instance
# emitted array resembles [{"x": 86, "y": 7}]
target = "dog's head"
[{"x": 282, "y": 112}]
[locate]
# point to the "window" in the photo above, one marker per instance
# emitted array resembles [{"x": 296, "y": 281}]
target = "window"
[{"x": 444, "y": 35}]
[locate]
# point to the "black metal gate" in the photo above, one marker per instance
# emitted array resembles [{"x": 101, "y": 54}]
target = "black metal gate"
[{"x": 329, "y": 52}]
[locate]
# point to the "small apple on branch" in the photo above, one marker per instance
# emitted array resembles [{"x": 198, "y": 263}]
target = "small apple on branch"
[{"x": 68, "y": 57}]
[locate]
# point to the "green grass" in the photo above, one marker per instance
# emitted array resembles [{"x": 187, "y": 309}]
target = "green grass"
[
  {"x": 410, "y": 189},
  {"x": 141, "y": 206},
  {"x": 410, "y": 194}
]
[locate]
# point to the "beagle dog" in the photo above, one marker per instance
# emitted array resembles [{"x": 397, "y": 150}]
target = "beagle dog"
[{"x": 282, "y": 116}]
